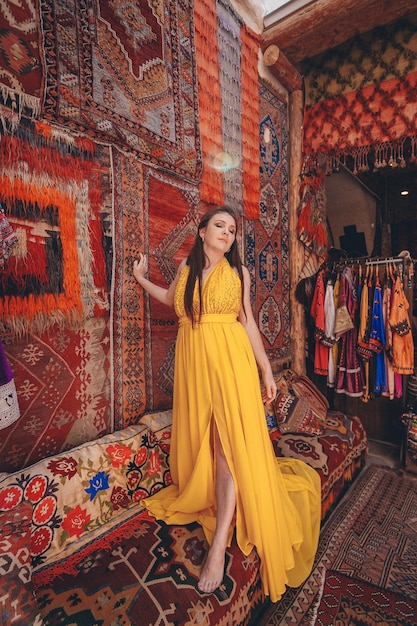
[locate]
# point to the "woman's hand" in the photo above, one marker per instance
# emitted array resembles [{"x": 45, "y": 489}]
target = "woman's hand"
[
  {"x": 140, "y": 267},
  {"x": 270, "y": 388}
]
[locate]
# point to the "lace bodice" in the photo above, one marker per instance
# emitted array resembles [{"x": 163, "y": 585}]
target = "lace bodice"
[{"x": 221, "y": 291}]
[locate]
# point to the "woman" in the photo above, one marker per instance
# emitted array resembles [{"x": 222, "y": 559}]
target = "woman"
[{"x": 224, "y": 471}]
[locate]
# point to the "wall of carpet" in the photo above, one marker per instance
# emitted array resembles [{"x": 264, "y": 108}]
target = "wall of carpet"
[
  {"x": 112, "y": 139},
  {"x": 360, "y": 98}
]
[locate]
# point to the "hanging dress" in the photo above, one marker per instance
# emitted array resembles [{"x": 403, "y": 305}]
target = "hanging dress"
[
  {"x": 317, "y": 312},
  {"x": 216, "y": 383},
  {"x": 386, "y": 307},
  {"x": 402, "y": 337},
  {"x": 329, "y": 338},
  {"x": 349, "y": 376},
  {"x": 377, "y": 340}
]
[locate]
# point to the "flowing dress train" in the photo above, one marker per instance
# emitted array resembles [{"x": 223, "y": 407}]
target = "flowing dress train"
[{"x": 216, "y": 382}]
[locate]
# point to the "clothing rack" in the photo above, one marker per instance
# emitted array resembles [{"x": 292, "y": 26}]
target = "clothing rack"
[{"x": 370, "y": 262}]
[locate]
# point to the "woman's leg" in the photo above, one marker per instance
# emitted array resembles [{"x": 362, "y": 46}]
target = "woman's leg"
[{"x": 213, "y": 569}]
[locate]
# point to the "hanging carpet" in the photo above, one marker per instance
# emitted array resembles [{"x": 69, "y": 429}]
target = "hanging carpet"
[
  {"x": 172, "y": 216},
  {"x": 363, "y": 93},
  {"x": 53, "y": 193},
  {"x": 57, "y": 197},
  {"x": 133, "y": 87},
  {"x": 267, "y": 247},
  {"x": 21, "y": 78},
  {"x": 127, "y": 297}
]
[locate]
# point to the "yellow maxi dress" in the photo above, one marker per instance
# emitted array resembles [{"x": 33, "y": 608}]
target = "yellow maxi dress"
[{"x": 216, "y": 381}]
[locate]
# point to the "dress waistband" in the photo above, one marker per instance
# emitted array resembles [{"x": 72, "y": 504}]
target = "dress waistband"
[{"x": 210, "y": 318}]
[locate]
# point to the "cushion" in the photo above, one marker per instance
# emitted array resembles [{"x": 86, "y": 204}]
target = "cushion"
[
  {"x": 92, "y": 485},
  {"x": 285, "y": 379},
  {"x": 303, "y": 387},
  {"x": 294, "y": 415},
  {"x": 17, "y": 604}
]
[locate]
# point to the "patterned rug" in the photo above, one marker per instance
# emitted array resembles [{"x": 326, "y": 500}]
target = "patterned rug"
[
  {"x": 172, "y": 218},
  {"x": 372, "y": 538},
  {"x": 127, "y": 297},
  {"x": 347, "y": 601},
  {"x": 146, "y": 572},
  {"x": 56, "y": 194},
  {"x": 267, "y": 254},
  {"x": 133, "y": 87},
  {"x": 21, "y": 65}
]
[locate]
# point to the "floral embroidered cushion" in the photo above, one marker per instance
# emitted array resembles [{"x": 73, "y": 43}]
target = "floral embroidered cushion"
[{"x": 97, "y": 483}]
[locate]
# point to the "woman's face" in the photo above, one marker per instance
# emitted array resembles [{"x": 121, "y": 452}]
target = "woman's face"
[{"x": 220, "y": 232}]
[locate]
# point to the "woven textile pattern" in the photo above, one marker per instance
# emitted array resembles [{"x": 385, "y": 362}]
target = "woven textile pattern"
[
  {"x": 172, "y": 217},
  {"x": 54, "y": 195},
  {"x": 267, "y": 238},
  {"x": 371, "y": 536},
  {"x": 69, "y": 374},
  {"x": 346, "y": 600},
  {"x": 56, "y": 198},
  {"x": 142, "y": 572},
  {"x": 229, "y": 27},
  {"x": 21, "y": 75},
  {"x": 363, "y": 93},
  {"x": 127, "y": 297},
  {"x": 133, "y": 87},
  {"x": 18, "y": 604}
]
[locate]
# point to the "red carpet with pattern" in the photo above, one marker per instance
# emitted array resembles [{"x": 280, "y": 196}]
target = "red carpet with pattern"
[{"x": 369, "y": 543}]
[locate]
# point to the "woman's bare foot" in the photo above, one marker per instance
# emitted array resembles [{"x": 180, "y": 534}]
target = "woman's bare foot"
[{"x": 213, "y": 571}]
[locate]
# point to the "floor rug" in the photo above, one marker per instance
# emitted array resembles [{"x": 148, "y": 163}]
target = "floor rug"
[
  {"x": 346, "y": 601},
  {"x": 145, "y": 573},
  {"x": 370, "y": 537}
]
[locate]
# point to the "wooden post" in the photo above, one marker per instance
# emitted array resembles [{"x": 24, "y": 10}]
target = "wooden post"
[
  {"x": 282, "y": 68},
  {"x": 297, "y": 324}
]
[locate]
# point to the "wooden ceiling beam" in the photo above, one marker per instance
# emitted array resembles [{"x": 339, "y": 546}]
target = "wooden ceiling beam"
[{"x": 324, "y": 24}]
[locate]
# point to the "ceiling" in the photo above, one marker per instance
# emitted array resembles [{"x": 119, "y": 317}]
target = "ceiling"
[{"x": 304, "y": 28}]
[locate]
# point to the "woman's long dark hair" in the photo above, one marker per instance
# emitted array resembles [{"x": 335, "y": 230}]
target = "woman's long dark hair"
[{"x": 197, "y": 260}]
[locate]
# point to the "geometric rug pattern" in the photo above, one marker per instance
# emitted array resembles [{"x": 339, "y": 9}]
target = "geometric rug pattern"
[
  {"x": 134, "y": 87},
  {"x": 267, "y": 249},
  {"x": 69, "y": 374},
  {"x": 171, "y": 213},
  {"x": 347, "y": 601},
  {"x": 371, "y": 537},
  {"x": 54, "y": 305},
  {"x": 362, "y": 94},
  {"x": 136, "y": 574},
  {"x": 127, "y": 297}
]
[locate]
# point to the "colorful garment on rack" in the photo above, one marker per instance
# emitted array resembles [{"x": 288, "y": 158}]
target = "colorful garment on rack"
[
  {"x": 377, "y": 340},
  {"x": 330, "y": 315},
  {"x": 349, "y": 378},
  {"x": 365, "y": 316},
  {"x": 321, "y": 352},
  {"x": 9, "y": 406},
  {"x": 402, "y": 338},
  {"x": 386, "y": 308}
]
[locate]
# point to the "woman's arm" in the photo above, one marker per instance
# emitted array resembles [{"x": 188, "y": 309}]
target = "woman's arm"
[
  {"x": 248, "y": 321},
  {"x": 165, "y": 295}
]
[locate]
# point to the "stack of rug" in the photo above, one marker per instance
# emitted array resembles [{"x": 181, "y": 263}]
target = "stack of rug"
[{"x": 365, "y": 570}]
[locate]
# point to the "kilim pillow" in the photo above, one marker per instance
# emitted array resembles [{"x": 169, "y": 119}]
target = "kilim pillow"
[
  {"x": 303, "y": 387},
  {"x": 294, "y": 415}
]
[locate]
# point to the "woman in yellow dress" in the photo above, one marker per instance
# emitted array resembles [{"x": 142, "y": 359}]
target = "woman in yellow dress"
[{"x": 224, "y": 470}]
